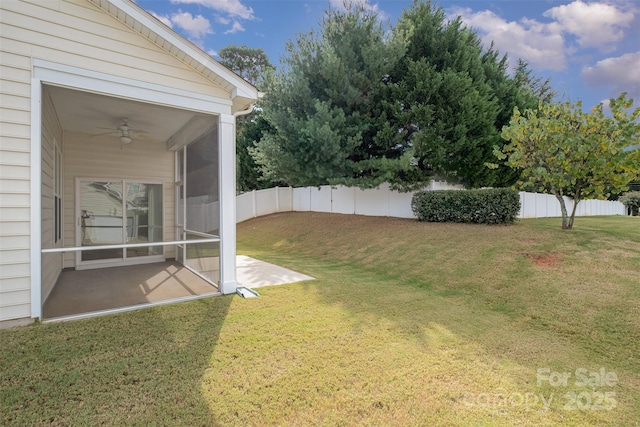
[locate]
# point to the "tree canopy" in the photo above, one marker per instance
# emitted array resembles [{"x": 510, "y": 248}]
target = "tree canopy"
[
  {"x": 252, "y": 64},
  {"x": 249, "y": 175},
  {"x": 564, "y": 151},
  {"x": 453, "y": 98},
  {"x": 358, "y": 103},
  {"x": 321, "y": 106},
  {"x": 249, "y": 63}
]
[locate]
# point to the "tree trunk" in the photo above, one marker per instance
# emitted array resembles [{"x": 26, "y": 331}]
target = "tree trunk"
[
  {"x": 573, "y": 213},
  {"x": 563, "y": 209},
  {"x": 576, "y": 200}
]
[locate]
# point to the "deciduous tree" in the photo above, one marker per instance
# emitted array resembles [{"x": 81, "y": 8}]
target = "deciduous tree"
[{"x": 565, "y": 151}]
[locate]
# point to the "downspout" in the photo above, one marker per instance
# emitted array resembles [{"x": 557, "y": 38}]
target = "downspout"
[
  {"x": 244, "y": 112},
  {"x": 249, "y": 109}
]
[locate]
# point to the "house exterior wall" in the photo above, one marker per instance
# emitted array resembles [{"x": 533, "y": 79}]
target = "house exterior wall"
[
  {"x": 72, "y": 33},
  {"x": 102, "y": 157},
  {"x": 15, "y": 90},
  {"x": 76, "y": 33}
]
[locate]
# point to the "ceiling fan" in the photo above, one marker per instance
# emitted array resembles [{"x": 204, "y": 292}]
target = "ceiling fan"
[{"x": 125, "y": 132}]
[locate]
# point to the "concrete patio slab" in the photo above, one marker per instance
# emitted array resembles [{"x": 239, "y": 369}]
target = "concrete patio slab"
[{"x": 253, "y": 273}]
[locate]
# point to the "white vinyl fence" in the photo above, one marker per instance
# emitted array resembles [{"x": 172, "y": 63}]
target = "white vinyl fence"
[
  {"x": 535, "y": 205},
  {"x": 385, "y": 202}
]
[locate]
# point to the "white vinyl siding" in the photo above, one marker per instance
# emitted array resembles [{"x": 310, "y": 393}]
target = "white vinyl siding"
[
  {"x": 79, "y": 34},
  {"x": 15, "y": 95},
  {"x": 104, "y": 157}
]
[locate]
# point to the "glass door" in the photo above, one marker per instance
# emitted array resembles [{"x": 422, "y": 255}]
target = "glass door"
[
  {"x": 144, "y": 218},
  {"x": 116, "y": 212},
  {"x": 101, "y": 219}
]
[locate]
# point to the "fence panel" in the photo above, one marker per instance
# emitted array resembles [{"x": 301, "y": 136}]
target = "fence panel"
[
  {"x": 245, "y": 204},
  {"x": 373, "y": 202},
  {"x": 302, "y": 199},
  {"x": 400, "y": 205},
  {"x": 384, "y": 202},
  {"x": 266, "y": 202},
  {"x": 321, "y": 199},
  {"x": 285, "y": 199},
  {"x": 343, "y": 200}
]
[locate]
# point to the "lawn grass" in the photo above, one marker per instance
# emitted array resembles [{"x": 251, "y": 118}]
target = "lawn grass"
[{"x": 407, "y": 323}]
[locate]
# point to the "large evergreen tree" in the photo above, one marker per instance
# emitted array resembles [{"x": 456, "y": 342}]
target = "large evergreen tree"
[
  {"x": 535, "y": 88},
  {"x": 453, "y": 99},
  {"x": 322, "y": 106},
  {"x": 357, "y": 105}
]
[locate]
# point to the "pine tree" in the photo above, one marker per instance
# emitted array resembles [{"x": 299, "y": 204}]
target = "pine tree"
[
  {"x": 322, "y": 106},
  {"x": 453, "y": 99},
  {"x": 357, "y": 105}
]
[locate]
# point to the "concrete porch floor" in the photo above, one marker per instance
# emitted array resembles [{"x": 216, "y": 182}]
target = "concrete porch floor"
[{"x": 89, "y": 291}]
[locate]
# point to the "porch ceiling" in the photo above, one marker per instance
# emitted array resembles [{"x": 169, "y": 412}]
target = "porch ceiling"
[{"x": 92, "y": 114}]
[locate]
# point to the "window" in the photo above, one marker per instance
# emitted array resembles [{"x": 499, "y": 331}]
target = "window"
[{"x": 57, "y": 193}]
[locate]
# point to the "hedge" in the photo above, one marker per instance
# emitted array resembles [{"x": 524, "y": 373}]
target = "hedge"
[
  {"x": 486, "y": 206},
  {"x": 632, "y": 201}
]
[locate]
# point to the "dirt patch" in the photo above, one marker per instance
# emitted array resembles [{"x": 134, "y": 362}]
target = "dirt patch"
[{"x": 545, "y": 260}]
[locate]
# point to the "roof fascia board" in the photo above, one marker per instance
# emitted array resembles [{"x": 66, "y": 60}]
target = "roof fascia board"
[{"x": 107, "y": 84}]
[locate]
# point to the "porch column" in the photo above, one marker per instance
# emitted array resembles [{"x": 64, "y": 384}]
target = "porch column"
[{"x": 227, "y": 179}]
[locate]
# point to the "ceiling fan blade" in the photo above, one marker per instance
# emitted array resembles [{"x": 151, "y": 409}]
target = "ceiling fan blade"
[
  {"x": 143, "y": 135},
  {"x": 105, "y": 133}
]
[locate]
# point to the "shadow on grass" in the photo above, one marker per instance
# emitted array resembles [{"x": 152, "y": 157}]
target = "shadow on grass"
[{"x": 137, "y": 368}]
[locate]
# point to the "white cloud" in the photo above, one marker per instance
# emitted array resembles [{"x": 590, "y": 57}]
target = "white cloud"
[
  {"x": 212, "y": 52},
  {"x": 222, "y": 20},
  {"x": 620, "y": 73},
  {"x": 544, "y": 44},
  {"x": 541, "y": 45},
  {"x": 236, "y": 27},
  {"x": 195, "y": 26},
  {"x": 594, "y": 24},
  {"x": 233, "y": 8},
  {"x": 166, "y": 20}
]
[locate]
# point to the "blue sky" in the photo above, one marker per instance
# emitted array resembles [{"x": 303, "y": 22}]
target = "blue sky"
[{"x": 589, "y": 49}]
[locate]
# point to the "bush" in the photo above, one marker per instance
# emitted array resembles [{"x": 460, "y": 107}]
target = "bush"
[
  {"x": 487, "y": 206},
  {"x": 631, "y": 200}
]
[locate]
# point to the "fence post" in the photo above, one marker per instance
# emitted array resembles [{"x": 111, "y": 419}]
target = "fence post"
[{"x": 254, "y": 203}]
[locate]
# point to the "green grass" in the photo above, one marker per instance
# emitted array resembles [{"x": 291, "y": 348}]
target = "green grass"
[{"x": 408, "y": 323}]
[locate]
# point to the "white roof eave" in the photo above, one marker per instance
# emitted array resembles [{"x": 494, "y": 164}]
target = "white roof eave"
[{"x": 167, "y": 39}]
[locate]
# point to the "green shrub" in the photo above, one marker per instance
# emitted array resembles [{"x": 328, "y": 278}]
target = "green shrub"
[
  {"x": 486, "y": 206},
  {"x": 631, "y": 200}
]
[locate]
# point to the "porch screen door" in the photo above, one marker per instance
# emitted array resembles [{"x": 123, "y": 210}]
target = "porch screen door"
[
  {"x": 119, "y": 212},
  {"x": 198, "y": 204}
]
